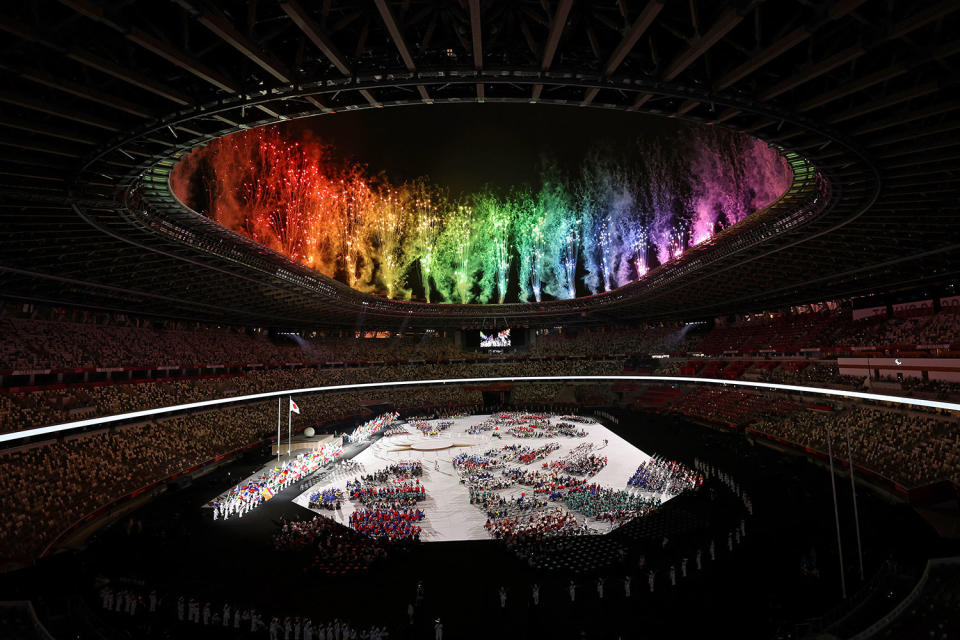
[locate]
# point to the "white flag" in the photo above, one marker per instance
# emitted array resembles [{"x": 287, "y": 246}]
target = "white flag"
[{"x": 293, "y": 407}]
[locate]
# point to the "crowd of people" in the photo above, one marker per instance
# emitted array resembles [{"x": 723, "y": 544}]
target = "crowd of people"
[
  {"x": 55, "y": 405},
  {"x": 543, "y": 427},
  {"x": 86, "y": 341},
  {"x": 396, "y": 429},
  {"x": 27, "y": 409},
  {"x": 332, "y": 547},
  {"x": 658, "y": 475},
  {"x": 389, "y": 523},
  {"x": 477, "y": 472},
  {"x": 136, "y": 603},
  {"x": 47, "y": 488},
  {"x": 524, "y": 455},
  {"x": 76, "y": 476},
  {"x": 580, "y": 461},
  {"x": 23, "y": 410},
  {"x": 551, "y": 482},
  {"x": 938, "y": 389},
  {"x": 499, "y": 506},
  {"x": 249, "y": 495},
  {"x": 432, "y": 427},
  {"x": 372, "y": 427},
  {"x": 404, "y": 470},
  {"x": 907, "y": 447},
  {"x": 398, "y": 496},
  {"x": 69, "y": 479},
  {"x": 330, "y": 499},
  {"x": 54, "y": 339},
  {"x": 604, "y": 503},
  {"x": 535, "y": 526}
]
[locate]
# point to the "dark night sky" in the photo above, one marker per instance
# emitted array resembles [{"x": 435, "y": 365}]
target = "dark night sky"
[{"x": 464, "y": 147}]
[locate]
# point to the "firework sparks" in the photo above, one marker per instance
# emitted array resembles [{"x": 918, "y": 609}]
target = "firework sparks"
[{"x": 620, "y": 217}]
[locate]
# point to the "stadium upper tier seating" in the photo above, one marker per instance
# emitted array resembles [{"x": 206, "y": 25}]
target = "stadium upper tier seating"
[
  {"x": 44, "y": 344},
  {"x": 55, "y": 371}
]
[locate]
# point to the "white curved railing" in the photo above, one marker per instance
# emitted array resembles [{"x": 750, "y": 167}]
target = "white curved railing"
[{"x": 860, "y": 395}]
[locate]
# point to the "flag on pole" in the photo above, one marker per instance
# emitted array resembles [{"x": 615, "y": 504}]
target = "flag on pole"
[{"x": 293, "y": 407}]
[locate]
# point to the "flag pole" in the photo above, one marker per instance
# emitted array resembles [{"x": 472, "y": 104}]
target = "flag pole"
[
  {"x": 836, "y": 515},
  {"x": 279, "y": 408},
  {"x": 289, "y": 420}
]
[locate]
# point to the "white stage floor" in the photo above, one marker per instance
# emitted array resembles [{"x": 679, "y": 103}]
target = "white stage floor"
[{"x": 449, "y": 514}]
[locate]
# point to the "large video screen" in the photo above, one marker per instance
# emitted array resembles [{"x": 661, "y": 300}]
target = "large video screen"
[{"x": 497, "y": 340}]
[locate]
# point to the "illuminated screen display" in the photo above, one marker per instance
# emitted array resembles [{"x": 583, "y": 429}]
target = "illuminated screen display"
[{"x": 497, "y": 340}]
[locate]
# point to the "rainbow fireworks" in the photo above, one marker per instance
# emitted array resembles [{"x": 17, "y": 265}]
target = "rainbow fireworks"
[{"x": 618, "y": 217}]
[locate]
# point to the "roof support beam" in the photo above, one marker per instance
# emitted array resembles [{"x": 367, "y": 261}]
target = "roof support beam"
[
  {"x": 93, "y": 61},
  {"x": 477, "y": 41},
  {"x": 391, "y": 23},
  {"x": 66, "y": 114},
  {"x": 727, "y": 115},
  {"x": 814, "y": 71},
  {"x": 630, "y": 38},
  {"x": 927, "y": 159},
  {"x": 130, "y": 77},
  {"x": 923, "y": 89},
  {"x": 20, "y": 173},
  {"x": 153, "y": 44},
  {"x": 641, "y": 100},
  {"x": 848, "y": 88},
  {"x": 321, "y": 41},
  {"x": 802, "y": 33},
  {"x": 165, "y": 51},
  {"x": 782, "y": 45},
  {"x": 44, "y": 129},
  {"x": 180, "y": 59},
  {"x": 553, "y": 41},
  {"x": 312, "y": 30},
  {"x": 33, "y": 144},
  {"x": 36, "y": 161},
  {"x": 938, "y": 143},
  {"x": 844, "y": 56},
  {"x": 730, "y": 18},
  {"x": 905, "y": 117},
  {"x": 224, "y": 29},
  {"x": 924, "y": 17},
  {"x": 80, "y": 91}
]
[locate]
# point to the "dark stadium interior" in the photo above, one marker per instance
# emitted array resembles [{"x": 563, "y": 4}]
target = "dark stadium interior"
[{"x": 718, "y": 236}]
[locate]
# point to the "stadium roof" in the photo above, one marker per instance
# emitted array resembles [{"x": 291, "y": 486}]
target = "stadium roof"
[{"x": 101, "y": 98}]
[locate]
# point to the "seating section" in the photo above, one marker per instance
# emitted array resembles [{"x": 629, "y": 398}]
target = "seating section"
[
  {"x": 30, "y": 343},
  {"x": 47, "y": 487},
  {"x": 909, "y": 448},
  {"x": 656, "y": 397},
  {"x": 721, "y": 406}
]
